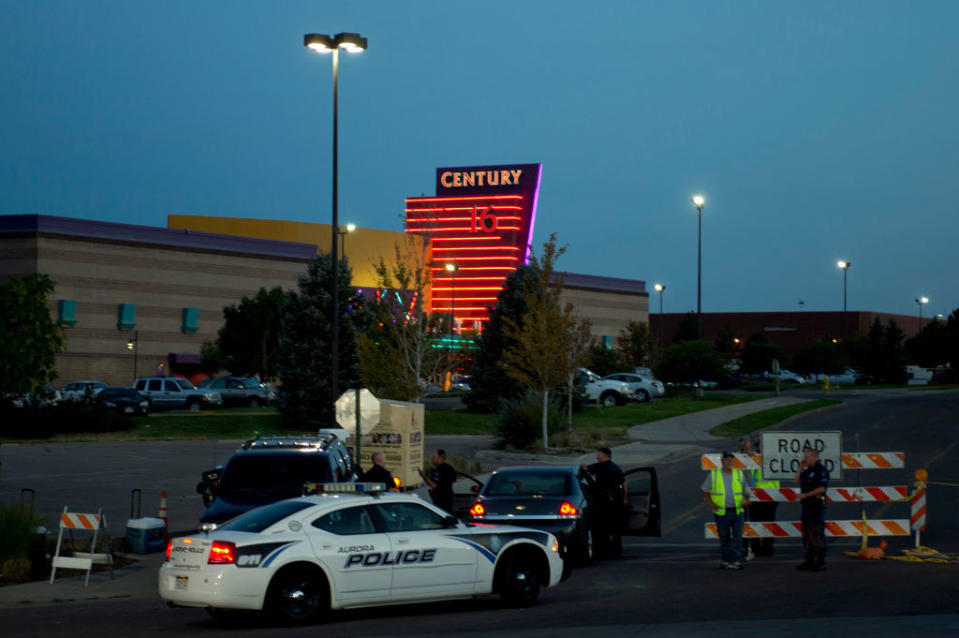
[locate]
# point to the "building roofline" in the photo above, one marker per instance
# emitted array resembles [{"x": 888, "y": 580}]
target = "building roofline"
[
  {"x": 604, "y": 284},
  {"x": 53, "y": 226}
]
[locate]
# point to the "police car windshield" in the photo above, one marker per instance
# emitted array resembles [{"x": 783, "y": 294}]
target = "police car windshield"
[
  {"x": 266, "y": 473},
  {"x": 532, "y": 482},
  {"x": 259, "y": 519}
]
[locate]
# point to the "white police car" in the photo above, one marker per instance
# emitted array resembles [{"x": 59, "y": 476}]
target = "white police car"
[{"x": 300, "y": 557}]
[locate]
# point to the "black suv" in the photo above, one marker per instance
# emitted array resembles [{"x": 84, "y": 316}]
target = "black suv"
[{"x": 269, "y": 469}]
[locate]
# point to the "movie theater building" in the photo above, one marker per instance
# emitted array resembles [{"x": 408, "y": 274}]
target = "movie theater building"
[{"x": 147, "y": 297}]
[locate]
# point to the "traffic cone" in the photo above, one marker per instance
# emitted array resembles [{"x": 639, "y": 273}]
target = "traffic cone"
[{"x": 162, "y": 514}]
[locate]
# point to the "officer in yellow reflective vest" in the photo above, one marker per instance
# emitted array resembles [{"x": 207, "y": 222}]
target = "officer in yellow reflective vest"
[
  {"x": 762, "y": 511},
  {"x": 726, "y": 493}
]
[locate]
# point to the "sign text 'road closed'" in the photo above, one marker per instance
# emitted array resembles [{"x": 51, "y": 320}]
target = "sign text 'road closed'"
[{"x": 783, "y": 451}]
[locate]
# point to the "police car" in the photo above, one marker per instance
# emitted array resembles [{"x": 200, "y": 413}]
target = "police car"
[{"x": 353, "y": 545}]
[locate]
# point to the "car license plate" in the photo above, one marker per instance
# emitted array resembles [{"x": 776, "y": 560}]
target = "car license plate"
[
  {"x": 128, "y": 410},
  {"x": 181, "y": 583}
]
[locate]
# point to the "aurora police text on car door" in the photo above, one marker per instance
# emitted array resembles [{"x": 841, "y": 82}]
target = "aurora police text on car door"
[{"x": 352, "y": 548}]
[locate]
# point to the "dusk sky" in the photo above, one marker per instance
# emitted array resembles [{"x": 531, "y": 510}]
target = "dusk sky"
[{"x": 816, "y": 130}]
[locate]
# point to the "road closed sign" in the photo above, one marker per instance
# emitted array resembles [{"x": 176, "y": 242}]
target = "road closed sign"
[{"x": 783, "y": 451}]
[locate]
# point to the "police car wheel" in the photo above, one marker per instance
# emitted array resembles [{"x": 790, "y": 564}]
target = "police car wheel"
[
  {"x": 298, "y": 596},
  {"x": 521, "y": 584}
]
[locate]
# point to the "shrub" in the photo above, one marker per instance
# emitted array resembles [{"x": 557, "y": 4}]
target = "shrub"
[
  {"x": 16, "y": 532},
  {"x": 520, "y": 420}
]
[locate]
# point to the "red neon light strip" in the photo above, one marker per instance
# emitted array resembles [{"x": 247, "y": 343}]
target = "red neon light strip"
[
  {"x": 471, "y": 288},
  {"x": 498, "y": 258},
  {"x": 510, "y": 268},
  {"x": 449, "y": 209},
  {"x": 483, "y": 238},
  {"x": 446, "y": 250},
  {"x": 427, "y": 218},
  {"x": 465, "y": 229},
  {"x": 464, "y": 198},
  {"x": 435, "y": 299}
]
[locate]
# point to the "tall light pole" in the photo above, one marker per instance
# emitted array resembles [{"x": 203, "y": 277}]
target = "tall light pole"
[
  {"x": 133, "y": 344},
  {"x": 321, "y": 43},
  {"x": 343, "y": 232},
  {"x": 699, "y": 201},
  {"x": 920, "y": 301},
  {"x": 451, "y": 269},
  {"x": 844, "y": 266},
  {"x": 660, "y": 288}
]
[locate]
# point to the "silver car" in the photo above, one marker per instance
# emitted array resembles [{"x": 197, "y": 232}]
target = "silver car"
[
  {"x": 642, "y": 388},
  {"x": 175, "y": 392}
]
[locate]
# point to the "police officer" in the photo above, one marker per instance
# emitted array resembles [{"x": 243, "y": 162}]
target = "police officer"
[
  {"x": 609, "y": 505},
  {"x": 813, "y": 479},
  {"x": 440, "y": 481},
  {"x": 378, "y": 473},
  {"x": 761, "y": 511},
  {"x": 726, "y": 492}
]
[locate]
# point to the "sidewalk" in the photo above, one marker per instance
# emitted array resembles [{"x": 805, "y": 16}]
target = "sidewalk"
[{"x": 658, "y": 442}]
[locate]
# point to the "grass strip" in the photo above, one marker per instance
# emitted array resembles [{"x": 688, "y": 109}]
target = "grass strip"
[{"x": 759, "y": 420}]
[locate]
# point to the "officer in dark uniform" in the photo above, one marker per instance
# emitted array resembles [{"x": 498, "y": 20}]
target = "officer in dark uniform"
[
  {"x": 608, "y": 505},
  {"x": 378, "y": 473},
  {"x": 440, "y": 481},
  {"x": 813, "y": 479}
]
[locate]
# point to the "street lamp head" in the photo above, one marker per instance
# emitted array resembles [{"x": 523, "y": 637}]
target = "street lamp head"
[
  {"x": 659, "y": 287},
  {"x": 842, "y": 263},
  {"x": 350, "y": 228},
  {"x": 452, "y": 267},
  {"x": 922, "y": 300},
  {"x": 322, "y": 43},
  {"x": 698, "y": 201}
]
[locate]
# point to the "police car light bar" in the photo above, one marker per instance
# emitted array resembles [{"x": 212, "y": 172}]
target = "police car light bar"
[{"x": 343, "y": 488}]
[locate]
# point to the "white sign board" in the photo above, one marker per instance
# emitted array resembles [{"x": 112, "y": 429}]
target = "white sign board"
[
  {"x": 783, "y": 451},
  {"x": 346, "y": 410}
]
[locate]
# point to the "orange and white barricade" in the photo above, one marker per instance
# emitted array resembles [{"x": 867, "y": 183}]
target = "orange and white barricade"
[
  {"x": 834, "y": 494},
  {"x": 76, "y": 522},
  {"x": 850, "y": 461},
  {"x": 793, "y": 529}
]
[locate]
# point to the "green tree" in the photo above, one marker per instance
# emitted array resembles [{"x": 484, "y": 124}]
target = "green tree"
[
  {"x": 491, "y": 385},
  {"x": 690, "y": 361},
  {"x": 893, "y": 354},
  {"x": 400, "y": 349},
  {"x": 30, "y": 339},
  {"x": 603, "y": 360},
  {"x": 820, "y": 357},
  {"x": 635, "y": 343},
  {"x": 688, "y": 329},
  {"x": 758, "y": 355},
  {"x": 930, "y": 347},
  {"x": 540, "y": 359},
  {"x": 303, "y": 355},
  {"x": 725, "y": 343},
  {"x": 248, "y": 339}
]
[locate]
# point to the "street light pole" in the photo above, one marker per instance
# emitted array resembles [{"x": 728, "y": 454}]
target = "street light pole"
[
  {"x": 452, "y": 268},
  {"x": 343, "y": 233},
  {"x": 660, "y": 288},
  {"x": 919, "y": 302},
  {"x": 134, "y": 344},
  {"x": 321, "y": 43},
  {"x": 844, "y": 265},
  {"x": 699, "y": 201}
]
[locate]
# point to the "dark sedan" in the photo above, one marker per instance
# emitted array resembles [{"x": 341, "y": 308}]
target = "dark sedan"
[
  {"x": 122, "y": 399},
  {"x": 557, "y": 500}
]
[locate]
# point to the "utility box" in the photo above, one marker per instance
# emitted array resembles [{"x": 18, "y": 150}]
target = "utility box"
[
  {"x": 146, "y": 535},
  {"x": 399, "y": 436}
]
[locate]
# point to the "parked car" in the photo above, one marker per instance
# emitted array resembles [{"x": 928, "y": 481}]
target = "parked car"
[
  {"x": 240, "y": 390},
  {"x": 559, "y": 500},
  {"x": 81, "y": 391},
  {"x": 785, "y": 376},
  {"x": 840, "y": 378},
  {"x": 175, "y": 392},
  {"x": 605, "y": 391},
  {"x": 45, "y": 397},
  {"x": 122, "y": 399},
  {"x": 270, "y": 469},
  {"x": 643, "y": 387}
]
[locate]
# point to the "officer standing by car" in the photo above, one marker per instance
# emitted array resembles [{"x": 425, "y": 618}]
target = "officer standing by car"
[
  {"x": 378, "y": 473},
  {"x": 609, "y": 505},
  {"x": 440, "y": 481},
  {"x": 813, "y": 479}
]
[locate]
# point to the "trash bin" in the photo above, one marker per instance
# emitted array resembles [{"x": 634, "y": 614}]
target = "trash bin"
[{"x": 146, "y": 535}]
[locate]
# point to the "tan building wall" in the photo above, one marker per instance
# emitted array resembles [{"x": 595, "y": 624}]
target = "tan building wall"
[
  {"x": 364, "y": 247},
  {"x": 99, "y": 273}
]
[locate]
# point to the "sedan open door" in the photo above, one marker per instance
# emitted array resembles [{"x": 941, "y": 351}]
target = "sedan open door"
[{"x": 644, "y": 511}]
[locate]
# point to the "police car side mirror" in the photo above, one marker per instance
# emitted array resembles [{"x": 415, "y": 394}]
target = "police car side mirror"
[{"x": 450, "y": 521}]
